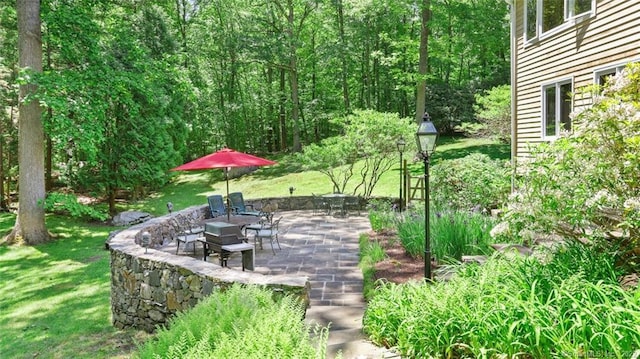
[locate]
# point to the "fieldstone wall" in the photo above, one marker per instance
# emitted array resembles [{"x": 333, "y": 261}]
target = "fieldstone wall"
[{"x": 148, "y": 286}]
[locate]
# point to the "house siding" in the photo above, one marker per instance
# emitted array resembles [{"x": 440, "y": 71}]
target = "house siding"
[{"x": 609, "y": 38}]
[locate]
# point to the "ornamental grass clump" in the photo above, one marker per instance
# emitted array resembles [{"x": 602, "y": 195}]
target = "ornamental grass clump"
[
  {"x": 512, "y": 307},
  {"x": 453, "y": 234}
]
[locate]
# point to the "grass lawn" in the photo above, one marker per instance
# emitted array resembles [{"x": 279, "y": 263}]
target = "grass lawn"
[{"x": 55, "y": 297}]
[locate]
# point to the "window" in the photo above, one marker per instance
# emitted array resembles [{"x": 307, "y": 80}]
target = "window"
[
  {"x": 530, "y": 18},
  {"x": 603, "y": 76},
  {"x": 543, "y": 16},
  {"x": 552, "y": 14},
  {"x": 556, "y": 99},
  {"x": 577, "y": 7}
]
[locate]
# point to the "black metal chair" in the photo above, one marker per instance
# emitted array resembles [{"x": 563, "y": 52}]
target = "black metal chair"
[
  {"x": 336, "y": 205},
  {"x": 320, "y": 205},
  {"x": 352, "y": 204}
]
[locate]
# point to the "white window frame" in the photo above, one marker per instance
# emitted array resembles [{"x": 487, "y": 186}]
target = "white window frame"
[
  {"x": 614, "y": 69},
  {"x": 570, "y": 19},
  {"x": 568, "y": 11},
  {"x": 557, "y": 110}
]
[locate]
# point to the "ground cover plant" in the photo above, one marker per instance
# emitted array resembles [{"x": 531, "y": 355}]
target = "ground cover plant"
[
  {"x": 512, "y": 307},
  {"x": 241, "y": 322}
]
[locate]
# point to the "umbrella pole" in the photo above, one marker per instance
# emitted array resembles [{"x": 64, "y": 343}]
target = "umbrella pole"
[{"x": 226, "y": 176}]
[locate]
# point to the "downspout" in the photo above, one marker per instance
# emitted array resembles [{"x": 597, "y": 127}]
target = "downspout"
[{"x": 514, "y": 92}]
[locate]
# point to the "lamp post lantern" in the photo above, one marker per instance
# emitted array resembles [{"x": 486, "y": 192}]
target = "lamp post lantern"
[
  {"x": 146, "y": 240},
  {"x": 426, "y": 137},
  {"x": 400, "y": 143}
]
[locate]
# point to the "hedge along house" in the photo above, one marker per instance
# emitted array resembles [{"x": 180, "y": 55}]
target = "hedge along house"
[{"x": 557, "y": 48}]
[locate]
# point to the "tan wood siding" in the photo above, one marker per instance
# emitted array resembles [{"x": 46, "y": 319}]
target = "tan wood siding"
[{"x": 609, "y": 38}]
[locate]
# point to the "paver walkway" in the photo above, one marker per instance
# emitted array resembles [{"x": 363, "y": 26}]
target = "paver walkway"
[{"x": 326, "y": 249}]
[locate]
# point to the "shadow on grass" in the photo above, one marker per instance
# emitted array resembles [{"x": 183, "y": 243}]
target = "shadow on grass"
[{"x": 56, "y": 296}]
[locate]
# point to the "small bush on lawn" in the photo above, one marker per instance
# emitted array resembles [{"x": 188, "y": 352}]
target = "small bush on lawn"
[
  {"x": 512, "y": 307},
  {"x": 66, "y": 203},
  {"x": 241, "y": 322},
  {"x": 473, "y": 182},
  {"x": 453, "y": 234}
]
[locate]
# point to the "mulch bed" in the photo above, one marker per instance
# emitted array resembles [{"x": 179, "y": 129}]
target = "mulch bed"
[{"x": 398, "y": 266}]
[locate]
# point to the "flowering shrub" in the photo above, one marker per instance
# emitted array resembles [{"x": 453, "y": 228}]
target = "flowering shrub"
[{"x": 586, "y": 183}]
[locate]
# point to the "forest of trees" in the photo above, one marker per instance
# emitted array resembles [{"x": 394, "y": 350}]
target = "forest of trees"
[{"x": 131, "y": 88}]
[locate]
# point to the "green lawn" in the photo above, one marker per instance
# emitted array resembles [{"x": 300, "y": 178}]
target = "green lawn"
[{"x": 55, "y": 297}]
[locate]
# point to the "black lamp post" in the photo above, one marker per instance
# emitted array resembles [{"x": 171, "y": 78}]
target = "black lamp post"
[
  {"x": 400, "y": 143},
  {"x": 426, "y": 137}
]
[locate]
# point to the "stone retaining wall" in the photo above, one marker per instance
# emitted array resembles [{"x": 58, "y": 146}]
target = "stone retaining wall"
[{"x": 150, "y": 286}]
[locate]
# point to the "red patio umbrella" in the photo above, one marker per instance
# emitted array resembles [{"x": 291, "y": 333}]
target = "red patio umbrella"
[{"x": 225, "y": 159}]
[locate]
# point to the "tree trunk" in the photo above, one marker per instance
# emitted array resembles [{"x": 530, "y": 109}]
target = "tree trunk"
[
  {"x": 343, "y": 57},
  {"x": 282, "y": 116},
  {"x": 293, "y": 80},
  {"x": 423, "y": 62},
  {"x": 30, "y": 224},
  {"x": 3, "y": 195}
]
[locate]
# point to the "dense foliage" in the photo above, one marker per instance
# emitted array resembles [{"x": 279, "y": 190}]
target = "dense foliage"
[
  {"x": 492, "y": 110},
  {"x": 474, "y": 182},
  {"x": 130, "y": 90},
  {"x": 586, "y": 184},
  {"x": 568, "y": 305},
  {"x": 241, "y": 322}
]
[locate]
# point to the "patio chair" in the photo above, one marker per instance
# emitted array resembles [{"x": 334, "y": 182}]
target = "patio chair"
[
  {"x": 336, "y": 206},
  {"x": 320, "y": 205},
  {"x": 216, "y": 205},
  {"x": 188, "y": 233},
  {"x": 270, "y": 232},
  {"x": 239, "y": 207},
  {"x": 352, "y": 204}
]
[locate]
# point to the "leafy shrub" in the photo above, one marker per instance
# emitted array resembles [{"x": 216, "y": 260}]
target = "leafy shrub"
[
  {"x": 381, "y": 215},
  {"x": 586, "y": 182},
  {"x": 472, "y": 182},
  {"x": 512, "y": 307},
  {"x": 453, "y": 234},
  {"x": 493, "y": 110},
  {"x": 242, "y": 322},
  {"x": 68, "y": 204}
]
